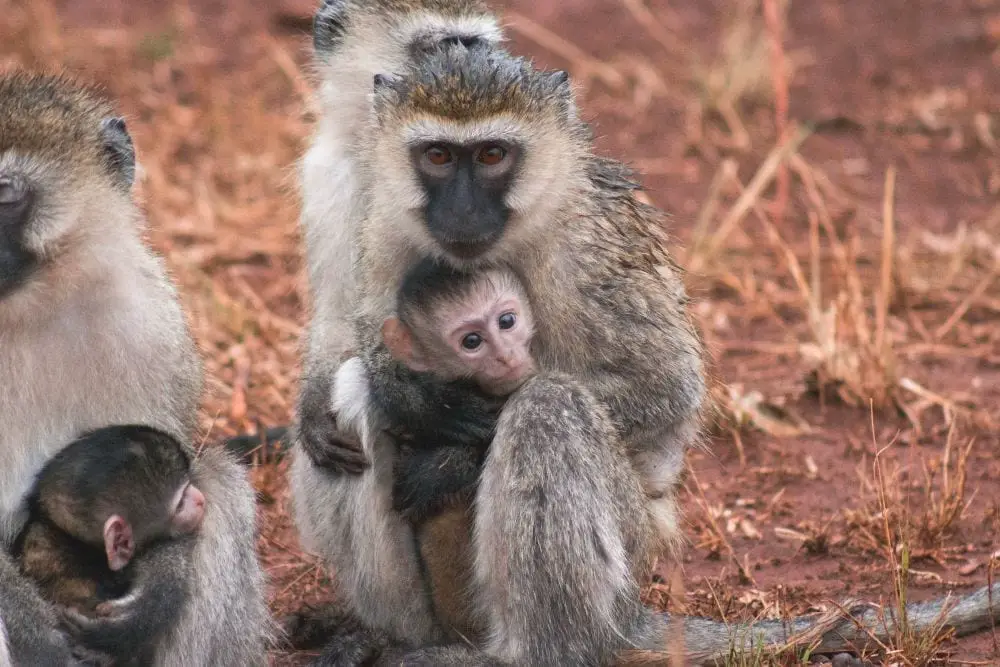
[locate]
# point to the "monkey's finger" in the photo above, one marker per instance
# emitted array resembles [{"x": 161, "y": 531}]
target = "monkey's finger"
[
  {"x": 105, "y": 609},
  {"x": 344, "y": 460},
  {"x": 73, "y": 622}
]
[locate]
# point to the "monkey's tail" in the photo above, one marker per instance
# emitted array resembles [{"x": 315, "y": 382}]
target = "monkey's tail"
[
  {"x": 852, "y": 628},
  {"x": 272, "y": 444}
]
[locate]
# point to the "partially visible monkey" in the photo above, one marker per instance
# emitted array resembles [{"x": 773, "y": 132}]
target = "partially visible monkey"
[
  {"x": 96, "y": 508},
  {"x": 353, "y": 41},
  {"x": 92, "y": 333},
  {"x": 484, "y": 162}
]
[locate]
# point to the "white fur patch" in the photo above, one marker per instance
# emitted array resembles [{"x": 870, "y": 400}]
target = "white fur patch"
[
  {"x": 5, "y": 660},
  {"x": 351, "y": 401}
]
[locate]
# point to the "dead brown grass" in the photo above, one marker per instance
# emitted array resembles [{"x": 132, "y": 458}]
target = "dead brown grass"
[{"x": 821, "y": 283}]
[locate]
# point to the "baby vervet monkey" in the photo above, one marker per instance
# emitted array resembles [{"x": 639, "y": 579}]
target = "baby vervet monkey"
[
  {"x": 97, "y": 508},
  {"x": 457, "y": 327}
]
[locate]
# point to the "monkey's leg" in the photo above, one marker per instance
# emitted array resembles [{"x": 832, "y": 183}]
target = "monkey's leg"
[
  {"x": 561, "y": 528},
  {"x": 348, "y": 520},
  {"x": 27, "y": 623},
  {"x": 226, "y": 621}
]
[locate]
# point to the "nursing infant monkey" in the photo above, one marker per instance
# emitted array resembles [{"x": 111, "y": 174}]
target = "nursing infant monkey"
[
  {"x": 96, "y": 510},
  {"x": 459, "y": 327}
]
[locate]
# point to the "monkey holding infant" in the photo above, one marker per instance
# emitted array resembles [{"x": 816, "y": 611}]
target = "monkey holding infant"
[{"x": 112, "y": 517}]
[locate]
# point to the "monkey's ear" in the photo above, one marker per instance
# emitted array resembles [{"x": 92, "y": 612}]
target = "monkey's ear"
[
  {"x": 329, "y": 26},
  {"x": 399, "y": 341},
  {"x": 119, "y": 151},
  {"x": 119, "y": 544}
]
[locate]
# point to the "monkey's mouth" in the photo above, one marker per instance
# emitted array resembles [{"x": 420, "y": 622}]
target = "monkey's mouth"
[{"x": 469, "y": 249}]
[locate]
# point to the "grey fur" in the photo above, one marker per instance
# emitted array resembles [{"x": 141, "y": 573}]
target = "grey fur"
[
  {"x": 96, "y": 336},
  {"x": 341, "y": 514}
]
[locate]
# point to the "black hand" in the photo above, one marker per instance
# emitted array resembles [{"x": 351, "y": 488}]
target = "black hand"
[
  {"x": 131, "y": 625},
  {"x": 324, "y": 444},
  {"x": 434, "y": 412}
]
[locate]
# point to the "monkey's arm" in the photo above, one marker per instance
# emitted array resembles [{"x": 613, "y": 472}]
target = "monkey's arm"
[
  {"x": 431, "y": 412},
  {"x": 130, "y": 625},
  {"x": 445, "y": 429},
  {"x": 427, "y": 480},
  {"x": 30, "y": 623}
]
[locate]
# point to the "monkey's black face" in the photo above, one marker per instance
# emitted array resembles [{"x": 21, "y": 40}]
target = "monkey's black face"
[
  {"x": 16, "y": 261},
  {"x": 466, "y": 187}
]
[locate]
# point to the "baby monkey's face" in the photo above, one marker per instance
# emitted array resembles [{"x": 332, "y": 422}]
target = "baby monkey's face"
[
  {"x": 490, "y": 340},
  {"x": 188, "y": 510},
  {"x": 181, "y": 515}
]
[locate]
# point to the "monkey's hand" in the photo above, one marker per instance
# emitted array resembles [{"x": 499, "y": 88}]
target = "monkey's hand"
[
  {"x": 327, "y": 445},
  {"x": 436, "y": 413},
  {"x": 128, "y": 625},
  {"x": 425, "y": 481}
]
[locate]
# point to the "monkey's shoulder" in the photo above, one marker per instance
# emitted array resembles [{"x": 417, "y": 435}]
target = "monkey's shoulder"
[{"x": 623, "y": 233}]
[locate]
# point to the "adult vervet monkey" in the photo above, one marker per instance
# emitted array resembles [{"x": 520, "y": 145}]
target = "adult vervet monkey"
[
  {"x": 483, "y": 162},
  {"x": 354, "y": 40},
  {"x": 91, "y": 334}
]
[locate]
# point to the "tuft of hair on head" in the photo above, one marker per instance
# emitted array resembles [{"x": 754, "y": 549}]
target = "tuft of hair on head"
[
  {"x": 470, "y": 84},
  {"x": 57, "y": 119},
  {"x": 427, "y": 284}
]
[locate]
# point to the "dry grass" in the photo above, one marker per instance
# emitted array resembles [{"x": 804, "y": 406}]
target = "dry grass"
[{"x": 822, "y": 284}]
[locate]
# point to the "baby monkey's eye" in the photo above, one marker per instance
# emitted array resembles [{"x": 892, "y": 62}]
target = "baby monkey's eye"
[
  {"x": 507, "y": 320},
  {"x": 472, "y": 341}
]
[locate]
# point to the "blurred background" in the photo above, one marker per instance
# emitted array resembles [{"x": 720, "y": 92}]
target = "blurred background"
[{"x": 831, "y": 169}]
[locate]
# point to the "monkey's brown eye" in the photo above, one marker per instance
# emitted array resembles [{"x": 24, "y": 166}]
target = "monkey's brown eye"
[
  {"x": 507, "y": 321},
  {"x": 472, "y": 341},
  {"x": 438, "y": 156},
  {"x": 491, "y": 155}
]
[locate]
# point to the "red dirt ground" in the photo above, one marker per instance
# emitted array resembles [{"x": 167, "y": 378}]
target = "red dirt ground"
[{"x": 215, "y": 92}]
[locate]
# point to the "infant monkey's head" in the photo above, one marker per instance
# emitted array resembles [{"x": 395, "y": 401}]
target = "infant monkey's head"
[
  {"x": 122, "y": 487},
  {"x": 456, "y": 324}
]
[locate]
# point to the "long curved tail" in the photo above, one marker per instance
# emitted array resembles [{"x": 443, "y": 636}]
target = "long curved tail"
[{"x": 850, "y": 629}]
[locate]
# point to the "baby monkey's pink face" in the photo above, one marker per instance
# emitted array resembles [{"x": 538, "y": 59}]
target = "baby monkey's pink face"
[
  {"x": 484, "y": 335},
  {"x": 494, "y": 345}
]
